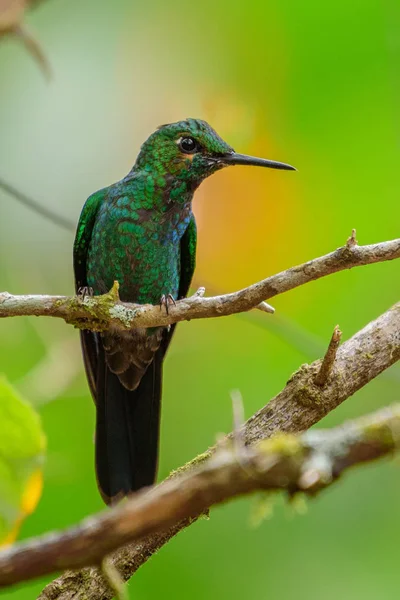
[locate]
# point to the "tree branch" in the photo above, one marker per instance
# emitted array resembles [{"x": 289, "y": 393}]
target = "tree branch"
[
  {"x": 301, "y": 404},
  {"x": 306, "y": 463},
  {"x": 101, "y": 312}
]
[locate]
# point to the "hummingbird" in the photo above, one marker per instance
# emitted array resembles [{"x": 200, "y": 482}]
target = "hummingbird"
[{"x": 141, "y": 232}]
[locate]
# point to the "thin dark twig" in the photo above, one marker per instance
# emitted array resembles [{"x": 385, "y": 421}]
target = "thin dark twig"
[{"x": 37, "y": 207}]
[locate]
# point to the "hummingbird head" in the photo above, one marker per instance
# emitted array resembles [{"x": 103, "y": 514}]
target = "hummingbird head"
[{"x": 188, "y": 151}]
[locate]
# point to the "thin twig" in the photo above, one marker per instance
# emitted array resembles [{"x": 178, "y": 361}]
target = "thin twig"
[
  {"x": 36, "y": 207},
  {"x": 276, "y": 464},
  {"x": 352, "y": 240},
  {"x": 238, "y": 418},
  {"x": 265, "y": 307},
  {"x": 12, "y": 14},
  {"x": 34, "y": 48},
  {"x": 114, "y": 579},
  {"x": 329, "y": 358}
]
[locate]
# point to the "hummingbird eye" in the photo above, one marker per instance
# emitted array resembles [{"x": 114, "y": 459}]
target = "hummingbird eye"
[{"x": 188, "y": 145}]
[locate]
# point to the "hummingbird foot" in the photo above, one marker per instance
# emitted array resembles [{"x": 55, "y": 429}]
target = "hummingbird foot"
[
  {"x": 167, "y": 300},
  {"x": 85, "y": 291}
]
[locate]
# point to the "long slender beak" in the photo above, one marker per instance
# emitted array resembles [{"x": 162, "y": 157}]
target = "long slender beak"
[{"x": 244, "y": 159}]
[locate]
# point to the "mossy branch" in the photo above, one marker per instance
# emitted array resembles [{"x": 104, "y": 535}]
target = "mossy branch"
[
  {"x": 102, "y": 312},
  {"x": 301, "y": 404},
  {"x": 306, "y": 398},
  {"x": 306, "y": 463}
]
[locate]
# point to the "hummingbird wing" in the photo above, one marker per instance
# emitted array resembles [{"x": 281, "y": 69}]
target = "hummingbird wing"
[
  {"x": 188, "y": 257},
  {"x": 188, "y": 263},
  {"x": 89, "y": 339}
]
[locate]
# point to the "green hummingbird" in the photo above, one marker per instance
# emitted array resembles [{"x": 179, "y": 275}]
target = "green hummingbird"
[{"x": 141, "y": 231}]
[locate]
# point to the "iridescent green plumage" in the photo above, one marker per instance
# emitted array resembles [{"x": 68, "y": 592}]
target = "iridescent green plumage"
[{"x": 141, "y": 232}]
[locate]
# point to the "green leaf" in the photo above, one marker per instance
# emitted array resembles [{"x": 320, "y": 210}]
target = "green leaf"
[{"x": 22, "y": 450}]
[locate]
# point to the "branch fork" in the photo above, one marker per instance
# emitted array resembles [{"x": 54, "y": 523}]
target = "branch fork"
[{"x": 250, "y": 461}]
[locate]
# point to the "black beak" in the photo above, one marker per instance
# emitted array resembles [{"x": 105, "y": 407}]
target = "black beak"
[{"x": 243, "y": 159}]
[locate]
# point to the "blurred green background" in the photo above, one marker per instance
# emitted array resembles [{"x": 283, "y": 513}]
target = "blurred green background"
[{"x": 313, "y": 84}]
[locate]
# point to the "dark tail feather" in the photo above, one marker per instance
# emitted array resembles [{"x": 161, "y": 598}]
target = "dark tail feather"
[{"x": 127, "y": 431}]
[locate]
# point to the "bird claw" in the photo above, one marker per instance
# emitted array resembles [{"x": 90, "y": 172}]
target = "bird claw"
[
  {"x": 167, "y": 300},
  {"x": 85, "y": 291}
]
